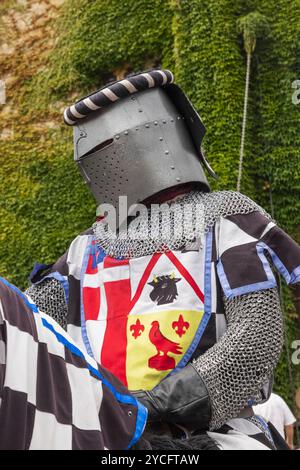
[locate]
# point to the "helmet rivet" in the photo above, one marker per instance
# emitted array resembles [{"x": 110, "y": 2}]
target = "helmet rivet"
[
  {"x": 161, "y": 139},
  {"x": 117, "y": 137},
  {"x": 164, "y": 121},
  {"x": 126, "y": 132},
  {"x": 172, "y": 167},
  {"x": 147, "y": 125},
  {"x": 167, "y": 152},
  {"x": 178, "y": 117},
  {"x": 140, "y": 110},
  {"x": 178, "y": 179},
  {"x": 136, "y": 128},
  {"x": 155, "y": 123},
  {"x": 172, "y": 120}
]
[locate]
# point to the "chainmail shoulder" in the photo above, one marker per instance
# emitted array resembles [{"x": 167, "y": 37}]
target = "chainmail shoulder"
[
  {"x": 225, "y": 203},
  {"x": 50, "y": 298},
  {"x": 190, "y": 216},
  {"x": 236, "y": 368}
]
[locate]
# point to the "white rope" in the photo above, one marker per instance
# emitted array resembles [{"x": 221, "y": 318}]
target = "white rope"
[{"x": 238, "y": 188}]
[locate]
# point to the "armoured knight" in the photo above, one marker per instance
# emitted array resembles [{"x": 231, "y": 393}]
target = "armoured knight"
[{"x": 182, "y": 304}]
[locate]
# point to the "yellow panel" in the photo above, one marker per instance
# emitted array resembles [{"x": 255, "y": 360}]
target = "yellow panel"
[{"x": 156, "y": 342}]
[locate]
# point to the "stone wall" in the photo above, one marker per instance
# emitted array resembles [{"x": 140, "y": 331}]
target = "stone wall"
[{"x": 26, "y": 37}]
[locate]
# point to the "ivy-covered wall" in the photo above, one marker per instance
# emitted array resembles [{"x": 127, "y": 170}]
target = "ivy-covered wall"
[{"x": 54, "y": 51}]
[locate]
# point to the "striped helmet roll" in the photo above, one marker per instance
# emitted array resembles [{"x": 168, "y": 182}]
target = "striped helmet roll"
[{"x": 115, "y": 91}]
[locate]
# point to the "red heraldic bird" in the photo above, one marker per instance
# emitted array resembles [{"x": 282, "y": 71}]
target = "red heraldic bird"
[{"x": 161, "y": 361}]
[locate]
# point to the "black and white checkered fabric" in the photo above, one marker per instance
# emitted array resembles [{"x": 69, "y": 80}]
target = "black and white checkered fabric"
[
  {"x": 54, "y": 396},
  {"x": 117, "y": 90}
]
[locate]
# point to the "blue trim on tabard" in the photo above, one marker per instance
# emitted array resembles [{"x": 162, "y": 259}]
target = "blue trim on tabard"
[
  {"x": 207, "y": 306},
  {"x": 142, "y": 412},
  {"x": 257, "y": 286},
  {"x": 266, "y": 265},
  {"x": 84, "y": 334},
  {"x": 94, "y": 258},
  {"x": 101, "y": 254},
  {"x": 261, "y": 247},
  {"x": 265, "y": 427},
  {"x": 290, "y": 278},
  {"x": 295, "y": 275},
  {"x": 207, "y": 276}
]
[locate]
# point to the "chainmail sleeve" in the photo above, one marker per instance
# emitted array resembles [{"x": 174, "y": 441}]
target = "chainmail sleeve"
[
  {"x": 49, "y": 296},
  {"x": 237, "y": 367}
]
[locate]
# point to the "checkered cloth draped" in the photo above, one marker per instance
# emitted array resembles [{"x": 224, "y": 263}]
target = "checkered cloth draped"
[{"x": 52, "y": 395}]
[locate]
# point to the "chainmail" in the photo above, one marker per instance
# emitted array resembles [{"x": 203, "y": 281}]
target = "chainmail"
[
  {"x": 237, "y": 367},
  {"x": 190, "y": 216},
  {"x": 49, "y": 296}
]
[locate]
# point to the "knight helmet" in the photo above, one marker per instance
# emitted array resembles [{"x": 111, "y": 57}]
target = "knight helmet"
[{"x": 137, "y": 137}]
